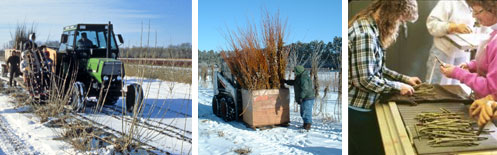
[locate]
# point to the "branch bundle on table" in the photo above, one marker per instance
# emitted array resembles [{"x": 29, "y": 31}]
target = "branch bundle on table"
[{"x": 447, "y": 129}]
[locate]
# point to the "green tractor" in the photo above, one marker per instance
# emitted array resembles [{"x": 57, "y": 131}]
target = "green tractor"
[{"x": 89, "y": 52}]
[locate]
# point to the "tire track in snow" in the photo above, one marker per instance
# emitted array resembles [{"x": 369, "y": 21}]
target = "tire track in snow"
[
  {"x": 178, "y": 134},
  {"x": 10, "y": 142}
]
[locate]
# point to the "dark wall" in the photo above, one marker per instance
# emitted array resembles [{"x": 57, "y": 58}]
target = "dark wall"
[{"x": 408, "y": 55}]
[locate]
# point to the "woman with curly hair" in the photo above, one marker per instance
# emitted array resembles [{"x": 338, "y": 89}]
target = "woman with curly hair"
[
  {"x": 480, "y": 74},
  {"x": 446, "y": 18},
  {"x": 371, "y": 31}
]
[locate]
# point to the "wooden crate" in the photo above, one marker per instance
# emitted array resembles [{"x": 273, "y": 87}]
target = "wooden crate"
[{"x": 266, "y": 107}]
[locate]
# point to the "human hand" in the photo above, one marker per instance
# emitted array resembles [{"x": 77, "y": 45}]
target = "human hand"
[
  {"x": 486, "y": 113},
  {"x": 459, "y": 28},
  {"x": 464, "y": 66},
  {"x": 447, "y": 69},
  {"x": 476, "y": 106},
  {"x": 413, "y": 81},
  {"x": 406, "y": 89}
]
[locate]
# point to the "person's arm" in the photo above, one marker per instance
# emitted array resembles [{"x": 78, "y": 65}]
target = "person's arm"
[
  {"x": 26, "y": 46},
  {"x": 9, "y": 61},
  {"x": 395, "y": 75},
  {"x": 79, "y": 44},
  {"x": 438, "y": 20},
  {"x": 290, "y": 82},
  {"x": 482, "y": 85},
  {"x": 90, "y": 43},
  {"x": 472, "y": 66},
  {"x": 362, "y": 65},
  {"x": 305, "y": 85}
]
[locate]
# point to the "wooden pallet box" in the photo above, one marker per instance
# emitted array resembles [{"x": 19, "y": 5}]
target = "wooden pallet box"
[{"x": 266, "y": 107}]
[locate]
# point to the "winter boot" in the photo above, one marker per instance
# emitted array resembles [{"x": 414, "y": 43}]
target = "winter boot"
[{"x": 307, "y": 126}]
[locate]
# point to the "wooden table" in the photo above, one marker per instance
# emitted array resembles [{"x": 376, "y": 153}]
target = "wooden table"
[{"x": 395, "y": 135}]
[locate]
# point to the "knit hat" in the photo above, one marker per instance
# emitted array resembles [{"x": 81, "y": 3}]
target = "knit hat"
[{"x": 299, "y": 69}]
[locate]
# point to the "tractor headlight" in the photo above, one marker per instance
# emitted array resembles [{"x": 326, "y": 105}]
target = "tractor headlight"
[
  {"x": 106, "y": 78},
  {"x": 119, "y": 78}
]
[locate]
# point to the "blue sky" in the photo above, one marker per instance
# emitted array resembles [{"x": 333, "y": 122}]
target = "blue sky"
[
  {"x": 172, "y": 19},
  {"x": 306, "y": 20}
]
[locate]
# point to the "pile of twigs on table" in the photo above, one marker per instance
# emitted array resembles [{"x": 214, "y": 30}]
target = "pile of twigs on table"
[{"x": 447, "y": 129}]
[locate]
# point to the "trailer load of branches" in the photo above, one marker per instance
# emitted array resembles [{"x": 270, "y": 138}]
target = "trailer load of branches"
[{"x": 258, "y": 59}]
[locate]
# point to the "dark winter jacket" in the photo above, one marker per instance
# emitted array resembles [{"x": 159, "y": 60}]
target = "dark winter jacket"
[
  {"x": 84, "y": 44},
  {"x": 302, "y": 85},
  {"x": 13, "y": 62},
  {"x": 30, "y": 45}
]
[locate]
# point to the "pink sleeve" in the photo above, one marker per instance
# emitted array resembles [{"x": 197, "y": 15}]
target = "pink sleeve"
[
  {"x": 472, "y": 66},
  {"x": 482, "y": 85}
]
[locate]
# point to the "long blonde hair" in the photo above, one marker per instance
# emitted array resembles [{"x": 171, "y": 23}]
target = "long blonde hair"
[{"x": 392, "y": 13}]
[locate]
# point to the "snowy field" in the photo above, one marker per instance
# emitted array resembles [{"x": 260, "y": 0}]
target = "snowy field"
[
  {"x": 219, "y": 137},
  {"x": 165, "y": 124}
]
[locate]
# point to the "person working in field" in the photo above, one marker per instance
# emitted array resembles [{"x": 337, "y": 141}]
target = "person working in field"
[
  {"x": 84, "y": 42},
  {"x": 13, "y": 65},
  {"x": 304, "y": 94},
  {"x": 480, "y": 74},
  {"x": 30, "y": 44},
  {"x": 370, "y": 33},
  {"x": 25, "y": 67}
]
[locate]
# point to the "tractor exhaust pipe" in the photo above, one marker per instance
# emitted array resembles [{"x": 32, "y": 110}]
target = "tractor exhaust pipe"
[{"x": 109, "y": 31}]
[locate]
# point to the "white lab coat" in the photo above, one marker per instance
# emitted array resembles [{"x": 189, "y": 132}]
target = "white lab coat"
[{"x": 437, "y": 23}]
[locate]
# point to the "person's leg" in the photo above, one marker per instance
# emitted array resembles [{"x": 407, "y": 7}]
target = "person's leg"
[
  {"x": 364, "y": 133},
  {"x": 307, "y": 111},
  {"x": 11, "y": 76},
  {"x": 16, "y": 74},
  {"x": 433, "y": 74},
  {"x": 302, "y": 110}
]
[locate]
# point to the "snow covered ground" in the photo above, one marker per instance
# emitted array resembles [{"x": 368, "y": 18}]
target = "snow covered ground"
[
  {"x": 219, "y": 137},
  {"x": 167, "y": 109},
  {"x": 21, "y": 133},
  {"x": 165, "y": 124}
]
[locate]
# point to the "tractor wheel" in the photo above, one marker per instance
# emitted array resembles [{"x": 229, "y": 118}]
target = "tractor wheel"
[
  {"x": 229, "y": 113},
  {"x": 222, "y": 107},
  {"x": 111, "y": 100},
  {"x": 78, "y": 97},
  {"x": 134, "y": 98},
  {"x": 215, "y": 105}
]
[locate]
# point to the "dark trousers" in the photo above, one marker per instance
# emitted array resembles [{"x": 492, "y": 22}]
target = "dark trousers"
[
  {"x": 13, "y": 73},
  {"x": 364, "y": 133}
]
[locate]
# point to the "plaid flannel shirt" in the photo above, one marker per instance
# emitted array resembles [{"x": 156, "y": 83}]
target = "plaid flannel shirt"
[{"x": 368, "y": 75}]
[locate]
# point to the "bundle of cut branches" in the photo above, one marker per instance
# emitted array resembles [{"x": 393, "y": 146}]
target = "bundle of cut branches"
[
  {"x": 447, "y": 129},
  {"x": 20, "y": 35},
  {"x": 258, "y": 59}
]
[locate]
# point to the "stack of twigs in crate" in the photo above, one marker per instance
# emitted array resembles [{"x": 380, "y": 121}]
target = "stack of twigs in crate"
[
  {"x": 447, "y": 129},
  {"x": 258, "y": 60}
]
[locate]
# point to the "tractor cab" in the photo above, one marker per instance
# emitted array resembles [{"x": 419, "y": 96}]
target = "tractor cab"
[
  {"x": 89, "y": 53},
  {"x": 90, "y": 40}
]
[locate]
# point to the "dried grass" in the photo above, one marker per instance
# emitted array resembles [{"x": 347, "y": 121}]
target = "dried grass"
[
  {"x": 173, "y": 74},
  {"x": 220, "y": 133},
  {"x": 243, "y": 151},
  {"x": 20, "y": 35},
  {"x": 258, "y": 59}
]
